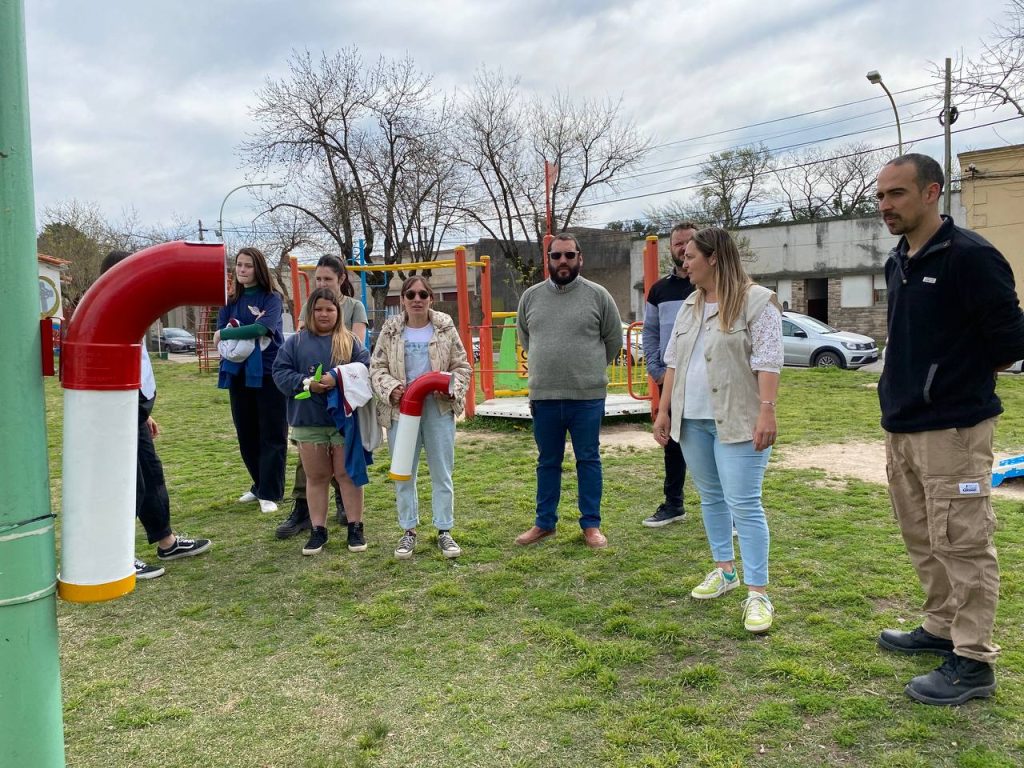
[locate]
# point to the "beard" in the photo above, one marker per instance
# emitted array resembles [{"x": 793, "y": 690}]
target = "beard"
[{"x": 559, "y": 277}]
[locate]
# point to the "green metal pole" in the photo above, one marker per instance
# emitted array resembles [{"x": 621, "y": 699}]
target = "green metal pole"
[{"x": 31, "y": 725}]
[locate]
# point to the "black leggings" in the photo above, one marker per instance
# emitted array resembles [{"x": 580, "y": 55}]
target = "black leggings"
[{"x": 261, "y": 423}]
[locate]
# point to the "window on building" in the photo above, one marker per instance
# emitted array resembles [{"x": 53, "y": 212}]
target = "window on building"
[
  {"x": 879, "y": 293},
  {"x": 857, "y": 291}
]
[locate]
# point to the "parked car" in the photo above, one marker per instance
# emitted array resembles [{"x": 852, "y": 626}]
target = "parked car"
[
  {"x": 177, "y": 340},
  {"x": 476, "y": 349},
  {"x": 810, "y": 342}
]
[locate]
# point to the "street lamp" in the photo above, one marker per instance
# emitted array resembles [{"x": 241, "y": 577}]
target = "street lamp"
[
  {"x": 220, "y": 218},
  {"x": 875, "y": 78}
]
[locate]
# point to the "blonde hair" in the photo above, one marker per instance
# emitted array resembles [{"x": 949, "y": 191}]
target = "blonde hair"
[
  {"x": 342, "y": 339},
  {"x": 731, "y": 280}
]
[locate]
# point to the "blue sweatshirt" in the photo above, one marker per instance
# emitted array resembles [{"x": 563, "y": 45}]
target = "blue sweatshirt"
[
  {"x": 245, "y": 310},
  {"x": 297, "y": 360}
]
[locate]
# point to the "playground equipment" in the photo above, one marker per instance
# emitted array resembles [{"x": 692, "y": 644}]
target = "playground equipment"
[
  {"x": 504, "y": 386},
  {"x": 410, "y": 409},
  {"x": 102, "y": 360}
]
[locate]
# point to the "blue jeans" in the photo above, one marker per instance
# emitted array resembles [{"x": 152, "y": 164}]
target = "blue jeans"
[
  {"x": 728, "y": 477},
  {"x": 437, "y": 435},
  {"x": 582, "y": 420}
]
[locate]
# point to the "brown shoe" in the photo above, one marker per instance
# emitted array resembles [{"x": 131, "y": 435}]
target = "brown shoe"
[
  {"x": 594, "y": 539},
  {"x": 533, "y": 535}
]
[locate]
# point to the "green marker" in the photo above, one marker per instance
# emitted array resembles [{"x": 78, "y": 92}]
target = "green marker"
[{"x": 305, "y": 394}]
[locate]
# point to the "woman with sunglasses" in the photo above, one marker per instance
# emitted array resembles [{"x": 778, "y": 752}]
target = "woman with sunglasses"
[
  {"x": 257, "y": 407},
  {"x": 414, "y": 342},
  {"x": 722, "y": 375}
]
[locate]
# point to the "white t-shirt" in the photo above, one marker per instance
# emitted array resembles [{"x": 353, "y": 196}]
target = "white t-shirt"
[{"x": 417, "y": 356}]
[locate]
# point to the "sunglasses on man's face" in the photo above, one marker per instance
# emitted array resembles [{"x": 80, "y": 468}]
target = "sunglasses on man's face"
[
  {"x": 559, "y": 255},
  {"x": 410, "y": 295}
]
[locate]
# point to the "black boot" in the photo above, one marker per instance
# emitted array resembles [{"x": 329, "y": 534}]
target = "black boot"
[
  {"x": 956, "y": 681},
  {"x": 917, "y": 640},
  {"x": 297, "y": 521},
  {"x": 356, "y": 540}
]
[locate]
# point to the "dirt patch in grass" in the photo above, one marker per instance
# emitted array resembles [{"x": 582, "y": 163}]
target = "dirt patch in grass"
[
  {"x": 627, "y": 437},
  {"x": 863, "y": 461}
]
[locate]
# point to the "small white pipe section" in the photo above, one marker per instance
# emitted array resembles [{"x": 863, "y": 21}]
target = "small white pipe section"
[
  {"x": 100, "y": 456},
  {"x": 404, "y": 446}
]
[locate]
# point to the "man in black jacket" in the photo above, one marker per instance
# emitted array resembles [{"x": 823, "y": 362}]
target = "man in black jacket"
[{"x": 953, "y": 321}]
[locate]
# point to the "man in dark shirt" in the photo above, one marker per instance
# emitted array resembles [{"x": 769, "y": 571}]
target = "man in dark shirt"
[
  {"x": 663, "y": 302},
  {"x": 953, "y": 321}
]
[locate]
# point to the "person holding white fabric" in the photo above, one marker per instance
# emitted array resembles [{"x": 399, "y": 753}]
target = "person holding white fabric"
[
  {"x": 417, "y": 341},
  {"x": 723, "y": 363}
]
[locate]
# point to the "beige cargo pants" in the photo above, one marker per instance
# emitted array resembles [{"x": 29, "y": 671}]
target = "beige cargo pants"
[{"x": 940, "y": 485}]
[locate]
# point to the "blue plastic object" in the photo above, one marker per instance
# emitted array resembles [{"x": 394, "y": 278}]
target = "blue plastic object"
[{"x": 1007, "y": 468}]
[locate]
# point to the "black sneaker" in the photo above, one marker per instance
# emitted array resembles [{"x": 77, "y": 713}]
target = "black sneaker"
[
  {"x": 297, "y": 521},
  {"x": 317, "y": 540},
  {"x": 183, "y": 547},
  {"x": 956, "y": 681},
  {"x": 406, "y": 545},
  {"x": 356, "y": 540},
  {"x": 143, "y": 571},
  {"x": 339, "y": 507},
  {"x": 447, "y": 545},
  {"x": 664, "y": 516},
  {"x": 918, "y": 640}
]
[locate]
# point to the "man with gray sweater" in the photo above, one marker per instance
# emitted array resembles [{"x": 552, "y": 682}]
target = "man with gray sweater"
[{"x": 571, "y": 330}]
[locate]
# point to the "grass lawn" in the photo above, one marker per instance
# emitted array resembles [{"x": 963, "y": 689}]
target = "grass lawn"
[{"x": 252, "y": 655}]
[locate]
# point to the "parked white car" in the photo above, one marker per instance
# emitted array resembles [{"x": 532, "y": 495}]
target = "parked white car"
[{"x": 810, "y": 342}]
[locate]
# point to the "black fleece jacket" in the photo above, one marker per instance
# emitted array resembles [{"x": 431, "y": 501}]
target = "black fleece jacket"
[{"x": 953, "y": 319}]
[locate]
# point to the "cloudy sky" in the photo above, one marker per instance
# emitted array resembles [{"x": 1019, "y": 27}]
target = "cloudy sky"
[{"x": 144, "y": 105}]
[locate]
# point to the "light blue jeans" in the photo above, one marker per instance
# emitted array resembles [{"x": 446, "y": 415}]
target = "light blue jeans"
[
  {"x": 437, "y": 435},
  {"x": 728, "y": 477}
]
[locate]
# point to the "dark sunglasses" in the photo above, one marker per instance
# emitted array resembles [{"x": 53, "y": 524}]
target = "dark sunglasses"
[
  {"x": 559, "y": 255},
  {"x": 410, "y": 295}
]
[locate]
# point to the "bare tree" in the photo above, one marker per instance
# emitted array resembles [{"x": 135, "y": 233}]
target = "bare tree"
[
  {"x": 505, "y": 141},
  {"x": 730, "y": 182},
  {"x": 996, "y": 76},
  {"x": 819, "y": 184}
]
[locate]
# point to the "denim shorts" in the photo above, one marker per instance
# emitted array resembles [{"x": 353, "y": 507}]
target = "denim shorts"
[{"x": 318, "y": 435}]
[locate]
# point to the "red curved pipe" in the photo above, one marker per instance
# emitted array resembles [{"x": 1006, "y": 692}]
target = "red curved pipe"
[
  {"x": 102, "y": 350},
  {"x": 414, "y": 397}
]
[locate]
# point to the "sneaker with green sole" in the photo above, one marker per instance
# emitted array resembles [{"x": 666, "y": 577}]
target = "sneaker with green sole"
[
  {"x": 757, "y": 612},
  {"x": 715, "y": 585}
]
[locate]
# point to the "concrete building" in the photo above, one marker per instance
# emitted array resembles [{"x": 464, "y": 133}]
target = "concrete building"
[
  {"x": 832, "y": 269},
  {"x": 992, "y": 187}
]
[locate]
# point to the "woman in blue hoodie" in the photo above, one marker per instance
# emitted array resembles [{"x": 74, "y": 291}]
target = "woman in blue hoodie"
[
  {"x": 323, "y": 343},
  {"x": 257, "y": 407}
]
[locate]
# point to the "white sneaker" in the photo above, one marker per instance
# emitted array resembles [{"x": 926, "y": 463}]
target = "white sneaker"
[
  {"x": 267, "y": 506},
  {"x": 246, "y": 497},
  {"x": 758, "y": 612}
]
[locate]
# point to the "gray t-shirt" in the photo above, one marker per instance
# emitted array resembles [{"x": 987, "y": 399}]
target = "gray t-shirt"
[{"x": 352, "y": 311}]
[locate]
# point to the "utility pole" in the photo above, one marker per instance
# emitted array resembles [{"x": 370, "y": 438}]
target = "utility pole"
[
  {"x": 947, "y": 121},
  {"x": 31, "y": 718},
  {"x": 202, "y": 230}
]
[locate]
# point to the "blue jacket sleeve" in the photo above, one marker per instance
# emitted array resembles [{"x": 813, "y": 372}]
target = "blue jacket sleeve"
[
  {"x": 287, "y": 378},
  {"x": 360, "y": 354},
  {"x": 652, "y": 342},
  {"x": 271, "y": 319}
]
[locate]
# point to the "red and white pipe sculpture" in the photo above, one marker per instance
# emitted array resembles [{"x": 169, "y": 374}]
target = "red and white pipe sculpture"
[
  {"x": 102, "y": 360},
  {"x": 410, "y": 409}
]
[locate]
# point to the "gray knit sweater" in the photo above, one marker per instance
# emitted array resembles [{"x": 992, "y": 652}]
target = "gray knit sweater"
[{"x": 571, "y": 333}]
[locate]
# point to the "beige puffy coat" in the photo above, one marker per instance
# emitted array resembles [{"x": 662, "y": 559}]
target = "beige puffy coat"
[{"x": 387, "y": 364}]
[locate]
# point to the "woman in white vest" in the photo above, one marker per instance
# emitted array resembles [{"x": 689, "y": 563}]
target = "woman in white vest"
[{"x": 723, "y": 363}]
